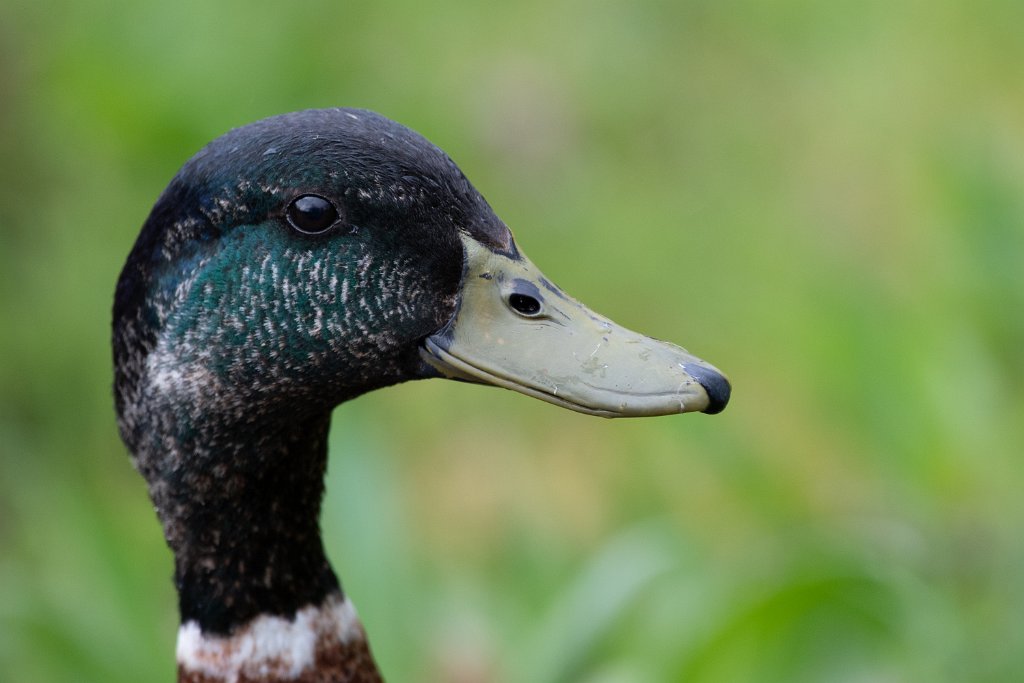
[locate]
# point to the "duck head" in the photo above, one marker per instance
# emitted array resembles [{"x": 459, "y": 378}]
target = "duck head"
[{"x": 299, "y": 262}]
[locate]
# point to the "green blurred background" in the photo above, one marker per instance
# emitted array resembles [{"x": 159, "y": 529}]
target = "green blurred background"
[{"x": 824, "y": 199}]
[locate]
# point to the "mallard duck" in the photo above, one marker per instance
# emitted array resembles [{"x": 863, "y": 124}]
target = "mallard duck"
[{"x": 294, "y": 264}]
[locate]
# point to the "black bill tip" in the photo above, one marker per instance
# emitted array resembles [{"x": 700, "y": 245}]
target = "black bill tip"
[{"x": 714, "y": 383}]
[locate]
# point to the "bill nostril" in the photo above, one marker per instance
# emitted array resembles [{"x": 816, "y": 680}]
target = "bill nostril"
[{"x": 714, "y": 383}]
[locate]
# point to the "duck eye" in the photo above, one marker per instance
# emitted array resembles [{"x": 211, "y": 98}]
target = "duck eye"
[
  {"x": 311, "y": 214},
  {"x": 524, "y": 304}
]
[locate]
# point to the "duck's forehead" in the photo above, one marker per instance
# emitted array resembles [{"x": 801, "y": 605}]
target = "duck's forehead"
[
  {"x": 361, "y": 154},
  {"x": 337, "y": 147}
]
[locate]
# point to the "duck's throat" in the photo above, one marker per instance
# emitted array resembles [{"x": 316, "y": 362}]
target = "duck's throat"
[{"x": 240, "y": 510}]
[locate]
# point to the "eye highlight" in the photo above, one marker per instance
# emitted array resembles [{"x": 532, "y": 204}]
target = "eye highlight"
[{"x": 311, "y": 214}]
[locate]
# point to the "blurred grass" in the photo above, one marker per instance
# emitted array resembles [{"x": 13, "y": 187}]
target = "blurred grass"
[{"x": 824, "y": 199}]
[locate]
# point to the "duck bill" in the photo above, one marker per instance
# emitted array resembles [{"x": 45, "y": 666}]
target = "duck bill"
[{"x": 514, "y": 329}]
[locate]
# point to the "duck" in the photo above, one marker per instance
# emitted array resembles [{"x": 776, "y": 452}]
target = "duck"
[{"x": 291, "y": 265}]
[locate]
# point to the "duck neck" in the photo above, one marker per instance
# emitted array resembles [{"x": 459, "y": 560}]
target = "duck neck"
[
  {"x": 240, "y": 510},
  {"x": 241, "y": 513}
]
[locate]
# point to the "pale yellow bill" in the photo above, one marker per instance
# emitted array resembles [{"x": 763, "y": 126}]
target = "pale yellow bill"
[{"x": 515, "y": 329}]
